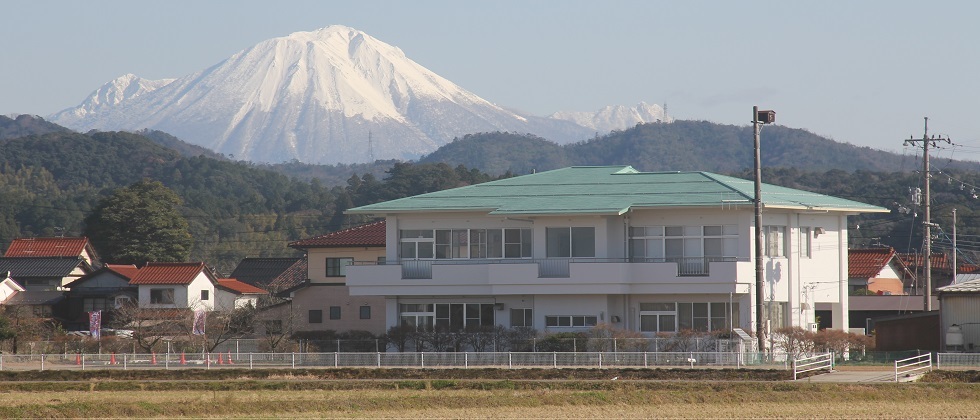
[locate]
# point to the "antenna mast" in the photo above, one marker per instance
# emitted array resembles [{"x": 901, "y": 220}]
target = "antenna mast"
[
  {"x": 927, "y": 221},
  {"x": 370, "y": 147}
]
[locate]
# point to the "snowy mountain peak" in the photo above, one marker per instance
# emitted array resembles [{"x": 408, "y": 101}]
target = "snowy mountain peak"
[
  {"x": 114, "y": 92},
  {"x": 616, "y": 117},
  {"x": 318, "y": 97}
]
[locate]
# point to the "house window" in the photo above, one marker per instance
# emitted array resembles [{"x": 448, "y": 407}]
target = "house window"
[
  {"x": 459, "y": 316},
  {"x": 205, "y": 295},
  {"x": 700, "y": 316},
  {"x": 418, "y": 316},
  {"x": 316, "y": 316},
  {"x": 658, "y": 317},
  {"x": 570, "y": 321},
  {"x": 337, "y": 267},
  {"x": 805, "y": 243},
  {"x": 162, "y": 296},
  {"x": 520, "y": 317},
  {"x": 675, "y": 243},
  {"x": 97, "y": 304},
  {"x": 775, "y": 238},
  {"x": 334, "y": 312},
  {"x": 365, "y": 312},
  {"x": 706, "y": 316},
  {"x": 572, "y": 242},
  {"x": 465, "y": 243}
]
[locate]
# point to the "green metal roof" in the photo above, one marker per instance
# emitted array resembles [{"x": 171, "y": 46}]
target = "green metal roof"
[{"x": 610, "y": 190}]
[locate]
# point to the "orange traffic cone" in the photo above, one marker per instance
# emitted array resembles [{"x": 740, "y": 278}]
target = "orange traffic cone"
[
  {"x": 112, "y": 359},
  {"x": 78, "y": 358},
  {"x": 183, "y": 360},
  {"x": 153, "y": 359},
  {"x": 229, "y": 359},
  {"x": 220, "y": 361}
]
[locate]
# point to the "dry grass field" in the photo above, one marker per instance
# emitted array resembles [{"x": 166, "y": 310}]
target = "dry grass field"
[{"x": 498, "y": 399}]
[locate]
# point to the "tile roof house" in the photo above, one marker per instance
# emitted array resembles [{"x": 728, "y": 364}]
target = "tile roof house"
[
  {"x": 106, "y": 289},
  {"x": 53, "y": 247},
  {"x": 45, "y": 273},
  {"x": 176, "y": 285},
  {"x": 232, "y": 293},
  {"x": 260, "y": 272},
  {"x": 8, "y": 287},
  {"x": 564, "y": 250},
  {"x": 877, "y": 270},
  {"x": 316, "y": 287}
]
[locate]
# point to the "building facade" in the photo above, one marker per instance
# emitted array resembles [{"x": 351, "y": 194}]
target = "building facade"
[{"x": 568, "y": 249}]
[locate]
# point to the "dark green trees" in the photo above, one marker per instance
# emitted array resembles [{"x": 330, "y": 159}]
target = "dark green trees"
[{"x": 139, "y": 223}]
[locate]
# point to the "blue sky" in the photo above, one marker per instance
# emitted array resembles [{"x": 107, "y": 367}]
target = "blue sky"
[{"x": 861, "y": 72}]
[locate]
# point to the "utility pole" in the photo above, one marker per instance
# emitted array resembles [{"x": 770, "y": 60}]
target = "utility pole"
[
  {"x": 758, "y": 119},
  {"x": 927, "y": 221},
  {"x": 954, "y": 247}
]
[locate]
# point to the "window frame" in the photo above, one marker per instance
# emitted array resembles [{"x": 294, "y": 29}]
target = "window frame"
[
  {"x": 364, "y": 312},
  {"x": 527, "y": 317},
  {"x": 163, "y": 294},
  {"x": 335, "y": 313},
  {"x": 205, "y": 294},
  {"x": 570, "y": 321},
  {"x": 314, "y": 316},
  {"x": 337, "y": 266}
]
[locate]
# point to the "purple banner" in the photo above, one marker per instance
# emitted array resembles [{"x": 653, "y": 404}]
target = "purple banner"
[
  {"x": 95, "y": 324},
  {"x": 200, "y": 319}
]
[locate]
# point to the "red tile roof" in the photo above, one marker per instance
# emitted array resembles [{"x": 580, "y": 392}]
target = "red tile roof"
[
  {"x": 168, "y": 273},
  {"x": 938, "y": 261},
  {"x": 371, "y": 234},
  {"x": 46, "y": 247},
  {"x": 294, "y": 275},
  {"x": 240, "y": 287},
  {"x": 127, "y": 271},
  {"x": 867, "y": 263}
]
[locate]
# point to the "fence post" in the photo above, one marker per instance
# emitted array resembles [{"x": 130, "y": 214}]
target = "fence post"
[
  {"x": 1, "y": 361},
  {"x": 124, "y": 361},
  {"x": 42, "y": 363},
  {"x": 554, "y": 354},
  {"x": 83, "y": 361},
  {"x": 510, "y": 360},
  {"x": 379, "y": 359},
  {"x": 336, "y": 359},
  {"x": 294, "y": 360},
  {"x": 575, "y": 345},
  {"x": 466, "y": 360},
  {"x": 614, "y": 345},
  {"x": 422, "y": 359},
  {"x": 600, "y": 360},
  {"x": 166, "y": 360},
  {"x": 250, "y": 361},
  {"x": 645, "y": 364}
]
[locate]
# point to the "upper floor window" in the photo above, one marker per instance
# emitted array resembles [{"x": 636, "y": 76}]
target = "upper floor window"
[
  {"x": 775, "y": 238},
  {"x": 465, "y": 243},
  {"x": 565, "y": 242},
  {"x": 805, "y": 242},
  {"x": 205, "y": 294},
  {"x": 674, "y": 242},
  {"x": 337, "y": 267}
]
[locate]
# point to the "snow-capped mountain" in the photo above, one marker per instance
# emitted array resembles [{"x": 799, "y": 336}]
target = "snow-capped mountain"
[
  {"x": 616, "y": 117},
  {"x": 327, "y": 96},
  {"x": 125, "y": 87}
]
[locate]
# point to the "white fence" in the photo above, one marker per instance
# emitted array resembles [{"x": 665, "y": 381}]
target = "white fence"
[
  {"x": 916, "y": 365},
  {"x": 510, "y": 360},
  {"x": 813, "y": 363}
]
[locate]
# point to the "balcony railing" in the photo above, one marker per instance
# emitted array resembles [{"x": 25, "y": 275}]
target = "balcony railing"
[{"x": 558, "y": 267}]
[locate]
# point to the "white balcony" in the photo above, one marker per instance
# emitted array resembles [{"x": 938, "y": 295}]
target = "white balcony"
[{"x": 551, "y": 276}]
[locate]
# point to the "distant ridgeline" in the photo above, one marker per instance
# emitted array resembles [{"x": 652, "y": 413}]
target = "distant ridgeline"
[{"x": 51, "y": 178}]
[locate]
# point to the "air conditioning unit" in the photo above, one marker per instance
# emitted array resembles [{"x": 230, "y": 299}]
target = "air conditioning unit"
[{"x": 812, "y": 326}]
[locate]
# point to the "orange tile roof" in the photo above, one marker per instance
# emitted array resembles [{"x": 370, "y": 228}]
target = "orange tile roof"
[
  {"x": 127, "y": 271},
  {"x": 46, "y": 247},
  {"x": 371, "y": 234},
  {"x": 168, "y": 273},
  {"x": 867, "y": 263},
  {"x": 938, "y": 261},
  {"x": 240, "y": 287}
]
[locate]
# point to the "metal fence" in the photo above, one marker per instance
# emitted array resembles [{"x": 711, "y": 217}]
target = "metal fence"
[
  {"x": 423, "y": 360},
  {"x": 949, "y": 360}
]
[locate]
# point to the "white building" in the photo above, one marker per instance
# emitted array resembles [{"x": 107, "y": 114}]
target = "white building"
[{"x": 571, "y": 248}]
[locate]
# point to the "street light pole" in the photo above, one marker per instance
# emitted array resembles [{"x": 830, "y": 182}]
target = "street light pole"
[{"x": 758, "y": 119}]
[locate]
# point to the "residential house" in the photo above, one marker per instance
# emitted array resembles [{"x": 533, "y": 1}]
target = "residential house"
[
  {"x": 53, "y": 247},
  {"x": 260, "y": 272},
  {"x": 233, "y": 294},
  {"x": 323, "y": 301},
  {"x": 45, "y": 273},
  {"x": 9, "y": 287},
  {"x": 877, "y": 270},
  {"x": 176, "y": 285},
  {"x": 105, "y": 289},
  {"x": 564, "y": 250}
]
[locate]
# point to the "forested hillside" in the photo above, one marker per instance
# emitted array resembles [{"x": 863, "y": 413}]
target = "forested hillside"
[
  {"x": 678, "y": 146},
  {"x": 50, "y": 183}
]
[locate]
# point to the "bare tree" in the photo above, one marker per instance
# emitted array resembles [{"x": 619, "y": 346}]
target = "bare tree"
[
  {"x": 276, "y": 324},
  {"x": 222, "y": 326},
  {"x": 23, "y": 324},
  {"x": 152, "y": 325}
]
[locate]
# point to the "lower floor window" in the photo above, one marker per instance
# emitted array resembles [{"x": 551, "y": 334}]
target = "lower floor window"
[
  {"x": 570, "y": 321},
  {"x": 447, "y": 316},
  {"x": 680, "y": 316},
  {"x": 521, "y": 317}
]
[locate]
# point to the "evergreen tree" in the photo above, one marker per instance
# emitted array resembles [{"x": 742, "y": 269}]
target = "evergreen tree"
[{"x": 140, "y": 223}]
